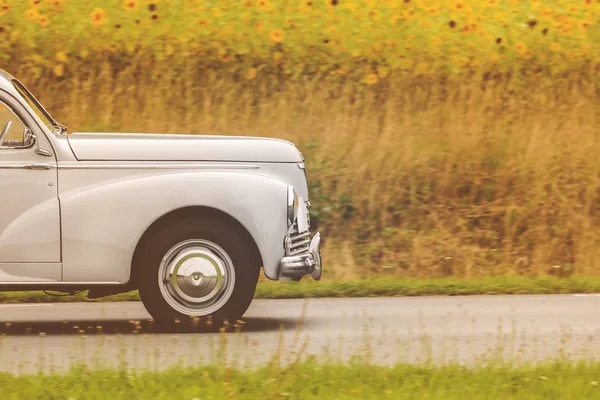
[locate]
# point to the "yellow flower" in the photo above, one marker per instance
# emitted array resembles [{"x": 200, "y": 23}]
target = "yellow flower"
[
  {"x": 216, "y": 12},
  {"x": 259, "y": 26},
  {"x": 371, "y": 79},
  {"x": 62, "y": 57},
  {"x": 436, "y": 40},
  {"x": 44, "y": 20},
  {"x": 277, "y": 35},
  {"x": 56, "y": 3},
  {"x": 31, "y": 13},
  {"x": 99, "y": 17},
  {"x": 251, "y": 74},
  {"x": 264, "y": 4},
  {"x": 35, "y": 3},
  {"x": 59, "y": 70},
  {"x": 383, "y": 71},
  {"x": 130, "y": 4},
  {"x": 521, "y": 48},
  {"x": 555, "y": 47},
  {"x": 375, "y": 15}
]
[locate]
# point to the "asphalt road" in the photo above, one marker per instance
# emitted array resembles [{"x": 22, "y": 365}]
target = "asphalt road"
[{"x": 51, "y": 337}]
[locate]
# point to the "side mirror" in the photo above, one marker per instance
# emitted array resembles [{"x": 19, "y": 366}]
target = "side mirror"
[
  {"x": 28, "y": 137},
  {"x": 31, "y": 140}
]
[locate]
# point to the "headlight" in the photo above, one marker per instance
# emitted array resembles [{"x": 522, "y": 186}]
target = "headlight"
[{"x": 292, "y": 206}]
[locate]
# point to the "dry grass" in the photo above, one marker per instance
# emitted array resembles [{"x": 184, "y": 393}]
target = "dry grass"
[{"x": 413, "y": 177}]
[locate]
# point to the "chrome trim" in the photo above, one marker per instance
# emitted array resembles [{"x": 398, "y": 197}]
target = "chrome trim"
[
  {"x": 297, "y": 242},
  {"x": 38, "y": 166},
  {"x": 27, "y": 166},
  {"x": 43, "y": 152},
  {"x": 107, "y": 165},
  {"x": 196, "y": 277},
  {"x": 310, "y": 263},
  {"x": 292, "y": 206}
]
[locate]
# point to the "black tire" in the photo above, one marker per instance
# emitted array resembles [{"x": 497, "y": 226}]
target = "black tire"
[{"x": 239, "y": 251}]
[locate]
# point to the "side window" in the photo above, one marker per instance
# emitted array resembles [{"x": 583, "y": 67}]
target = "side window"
[{"x": 17, "y": 133}]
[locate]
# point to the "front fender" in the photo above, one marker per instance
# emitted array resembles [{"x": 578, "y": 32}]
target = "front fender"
[{"x": 103, "y": 219}]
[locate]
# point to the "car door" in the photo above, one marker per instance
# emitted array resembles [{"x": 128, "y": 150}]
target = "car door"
[{"x": 30, "y": 248}]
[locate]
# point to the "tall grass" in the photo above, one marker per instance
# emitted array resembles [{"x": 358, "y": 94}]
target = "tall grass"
[
  {"x": 413, "y": 178},
  {"x": 489, "y": 169}
]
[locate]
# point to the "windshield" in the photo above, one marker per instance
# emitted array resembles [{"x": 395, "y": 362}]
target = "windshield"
[{"x": 36, "y": 106}]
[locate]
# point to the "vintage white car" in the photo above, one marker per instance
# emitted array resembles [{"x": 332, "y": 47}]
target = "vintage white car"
[{"x": 188, "y": 220}]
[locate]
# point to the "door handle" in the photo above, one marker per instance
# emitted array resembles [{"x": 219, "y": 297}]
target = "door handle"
[{"x": 38, "y": 166}]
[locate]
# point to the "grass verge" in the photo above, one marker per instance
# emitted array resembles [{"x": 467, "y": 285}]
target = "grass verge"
[
  {"x": 379, "y": 287},
  {"x": 310, "y": 380}
]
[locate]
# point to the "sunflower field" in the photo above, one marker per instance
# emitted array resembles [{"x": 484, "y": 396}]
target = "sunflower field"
[
  {"x": 356, "y": 40},
  {"x": 442, "y": 137}
]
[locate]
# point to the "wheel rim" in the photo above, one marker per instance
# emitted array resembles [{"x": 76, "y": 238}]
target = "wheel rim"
[{"x": 196, "y": 277}]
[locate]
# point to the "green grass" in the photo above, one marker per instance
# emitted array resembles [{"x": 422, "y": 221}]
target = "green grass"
[
  {"x": 310, "y": 380},
  {"x": 380, "y": 287}
]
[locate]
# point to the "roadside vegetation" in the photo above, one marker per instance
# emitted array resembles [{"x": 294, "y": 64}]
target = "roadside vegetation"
[
  {"x": 442, "y": 139},
  {"x": 381, "y": 287},
  {"x": 311, "y": 380}
]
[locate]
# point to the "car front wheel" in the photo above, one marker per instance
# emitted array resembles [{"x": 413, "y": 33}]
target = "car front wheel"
[{"x": 197, "y": 268}]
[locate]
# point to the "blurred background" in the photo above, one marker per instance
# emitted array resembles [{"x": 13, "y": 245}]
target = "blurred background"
[{"x": 454, "y": 138}]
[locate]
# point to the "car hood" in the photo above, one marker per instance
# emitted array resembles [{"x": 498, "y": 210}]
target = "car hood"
[{"x": 175, "y": 147}]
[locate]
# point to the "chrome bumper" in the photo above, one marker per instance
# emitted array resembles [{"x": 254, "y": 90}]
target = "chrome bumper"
[{"x": 309, "y": 263}]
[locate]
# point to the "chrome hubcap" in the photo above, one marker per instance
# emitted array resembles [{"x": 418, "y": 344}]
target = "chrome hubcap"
[{"x": 196, "y": 277}]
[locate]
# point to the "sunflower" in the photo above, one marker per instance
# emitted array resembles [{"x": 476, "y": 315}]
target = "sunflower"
[
  {"x": 32, "y": 13},
  {"x": 521, "y": 48},
  {"x": 264, "y": 4},
  {"x": 371, "y": 79},
  {"x": 130, "y": 4},
  {"x": 277, "y": 35},
  {"x": 44, "y": 20},
  {"x": 99, "y": 17}
]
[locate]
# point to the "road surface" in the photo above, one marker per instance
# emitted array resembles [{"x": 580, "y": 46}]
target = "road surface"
[{"x": 52, "y": 337}]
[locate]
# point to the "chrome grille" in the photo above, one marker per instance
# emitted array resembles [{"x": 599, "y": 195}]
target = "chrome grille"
[{"x": 300, "y": 241}]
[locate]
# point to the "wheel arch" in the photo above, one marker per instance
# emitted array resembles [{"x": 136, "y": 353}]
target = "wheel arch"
[{"x": 181, "y": 214}]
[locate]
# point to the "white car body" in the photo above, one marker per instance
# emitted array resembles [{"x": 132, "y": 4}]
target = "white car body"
[{"x": 75, "y": 206}]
